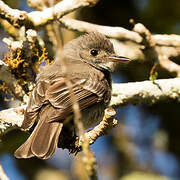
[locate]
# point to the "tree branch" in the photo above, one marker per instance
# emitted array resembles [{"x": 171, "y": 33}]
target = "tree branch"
[
  {"x": 56, "y": 12},
  {"x": 38, "y": 18},
  {"x": 119, "y": 32},
  {"x": 169, "y": 65},
  {"x": 138, "y": 44},
  {"x": 132, "y": 41},
  {"x": 144, "y": 92},
  {"x": 14, "y": 16},
  {"x": 166, "y": 40},
  {"x": 103, "y": 128},
  {"x": 11, "y": 117},
  {"x": 112, "y": 32}
]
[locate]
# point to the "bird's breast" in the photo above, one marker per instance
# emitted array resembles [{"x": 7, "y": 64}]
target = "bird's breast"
[{"x": 93, "y": 115}]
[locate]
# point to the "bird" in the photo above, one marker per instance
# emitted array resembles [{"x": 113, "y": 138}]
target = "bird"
[{"x": 90, "y": 60}]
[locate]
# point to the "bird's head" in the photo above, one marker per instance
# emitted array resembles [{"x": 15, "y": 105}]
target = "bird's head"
[{"x": 94, "y": 49}]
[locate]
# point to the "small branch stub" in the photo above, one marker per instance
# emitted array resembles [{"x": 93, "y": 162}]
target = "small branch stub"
[{"x": 103, "y": 128}]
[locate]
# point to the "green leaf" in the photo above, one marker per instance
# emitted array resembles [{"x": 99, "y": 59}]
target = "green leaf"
[{"x": 153, "y": 76}]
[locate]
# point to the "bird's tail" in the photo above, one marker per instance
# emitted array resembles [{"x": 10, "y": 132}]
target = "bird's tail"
[{"x": 43, "y": 141}]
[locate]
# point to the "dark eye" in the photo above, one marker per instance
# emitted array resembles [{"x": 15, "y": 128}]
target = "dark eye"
[{"x": 94, "y": 52}]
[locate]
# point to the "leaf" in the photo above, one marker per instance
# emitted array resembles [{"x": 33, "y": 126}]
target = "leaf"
[{"x": 153, "y": 76}]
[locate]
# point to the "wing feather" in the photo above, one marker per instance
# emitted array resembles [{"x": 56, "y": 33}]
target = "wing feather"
[{"x": 88, "y": 91}]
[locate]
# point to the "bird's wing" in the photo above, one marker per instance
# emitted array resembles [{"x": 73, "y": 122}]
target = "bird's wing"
[
  {"x": 88, "y": 91},
  {"x": 36, "y": 101}
]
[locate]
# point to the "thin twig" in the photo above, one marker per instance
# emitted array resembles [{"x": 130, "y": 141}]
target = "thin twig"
[
  {"x": 88, "y": 158},
  {"x": 147, "y": 44}
]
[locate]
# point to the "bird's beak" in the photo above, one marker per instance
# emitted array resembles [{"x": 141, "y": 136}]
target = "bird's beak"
[{"x": 115, "y": 58}]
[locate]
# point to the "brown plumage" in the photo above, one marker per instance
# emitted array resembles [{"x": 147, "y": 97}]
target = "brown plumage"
[{"x": 89, "y": 63}]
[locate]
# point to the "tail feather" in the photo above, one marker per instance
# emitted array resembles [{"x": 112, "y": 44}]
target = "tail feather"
[
  {"x": 43, "y": 140},
  {"x": 53, "y": 145},
  {"x": 24, "y": 151},
  {"x": 46, "y": 139}
]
